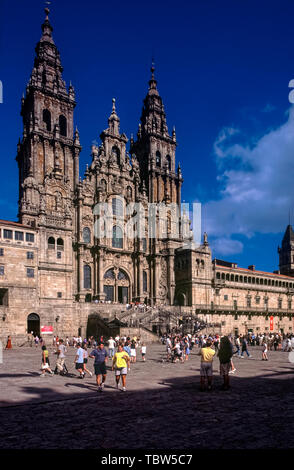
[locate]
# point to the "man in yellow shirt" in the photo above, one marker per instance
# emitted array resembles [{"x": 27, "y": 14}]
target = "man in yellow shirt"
[
  {"x": 121, "y": 362},
  {"x": 207, "y": 354}
]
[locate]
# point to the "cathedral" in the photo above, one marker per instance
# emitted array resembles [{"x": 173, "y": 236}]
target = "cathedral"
[{"x": 60, "y": 268}]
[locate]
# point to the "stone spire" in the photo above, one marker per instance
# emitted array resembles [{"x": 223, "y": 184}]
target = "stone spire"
[
  {"x": 47, "y": 71},
  {"x": 153, "y": 116},
  {"x": 113, "y": 121}
]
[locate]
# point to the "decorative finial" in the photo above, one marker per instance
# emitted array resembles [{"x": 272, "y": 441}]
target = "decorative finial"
[
  {"x": 113, "y": 105},
  {"x": 152, "y": 68}
]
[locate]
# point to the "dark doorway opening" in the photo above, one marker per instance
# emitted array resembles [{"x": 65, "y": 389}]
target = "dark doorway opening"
[
  {"x": 123, "y": 294},
  {"x": 34, "y": 324}
]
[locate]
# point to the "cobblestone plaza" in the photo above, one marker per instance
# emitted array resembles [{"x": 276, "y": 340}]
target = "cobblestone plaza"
[{"x": 162, "y": 408}]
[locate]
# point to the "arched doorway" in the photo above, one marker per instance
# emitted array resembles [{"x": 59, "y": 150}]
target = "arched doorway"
[
  {"x": 116, "y": 286},
  {"x": 33, "y": 323}
]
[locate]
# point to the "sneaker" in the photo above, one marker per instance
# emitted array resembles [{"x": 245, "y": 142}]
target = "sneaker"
[
  {"x": 241, "y": 357},
  {"x": 124, "y": 389},
  {"x": 102, "y": 386},
  {"x": 91, "y": 375},
  {"x": 99, "y": 389}
]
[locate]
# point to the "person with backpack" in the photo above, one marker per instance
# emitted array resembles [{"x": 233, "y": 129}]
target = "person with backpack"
[{"x": 225, "y": 355}]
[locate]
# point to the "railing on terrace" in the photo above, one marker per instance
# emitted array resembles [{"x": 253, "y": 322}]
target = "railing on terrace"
[{"x": 238, "y": 309}]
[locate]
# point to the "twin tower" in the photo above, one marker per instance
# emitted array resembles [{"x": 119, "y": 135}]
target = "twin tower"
[{"x": 55, "y": 201}]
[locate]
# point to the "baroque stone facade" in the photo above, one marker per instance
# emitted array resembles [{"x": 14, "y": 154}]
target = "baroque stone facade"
[{"x": 62, "y": 255}]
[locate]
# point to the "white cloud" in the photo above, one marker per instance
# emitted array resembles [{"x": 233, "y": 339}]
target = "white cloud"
[
  {"x": 226, "y": 246},
  {"x": 256, "y": 185}
]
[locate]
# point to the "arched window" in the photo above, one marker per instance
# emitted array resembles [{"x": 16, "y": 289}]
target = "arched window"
[
  {"x": 60, "y": 244},
  {"x": 86, "y": 235},
  {"x": 63, "y": 125},
  {"x": 117, "y": 237},
  {"x": 115, "y": 151},
  {"x": 144, "y": 281},
  {"x": 218, "y": 275},
  {"x": 109, "y": 274},
  {"x": 168, "y": 161},
  {"x": 122, "y": 276},
  {"x": 47, "y": 119},
  {"x": 158, "y": 159},
  {"x": 51, "y": 243},
  {"x": 87, "y": 277},
  {"x": 117, "y": 207}
]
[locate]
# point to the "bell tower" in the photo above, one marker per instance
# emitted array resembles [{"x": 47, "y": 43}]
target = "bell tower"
[
  {"x": 155, "y": 150},
  {"x": 286, "y": 253},
  {"x": 49, "y": 149},
  {"x": 48, "y": 162}
]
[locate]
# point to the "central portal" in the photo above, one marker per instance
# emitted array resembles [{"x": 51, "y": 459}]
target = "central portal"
[{"x": 116, "y": 286}]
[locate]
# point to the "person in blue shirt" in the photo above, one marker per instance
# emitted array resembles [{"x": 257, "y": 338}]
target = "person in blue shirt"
[{"x": 101, "y": 356}]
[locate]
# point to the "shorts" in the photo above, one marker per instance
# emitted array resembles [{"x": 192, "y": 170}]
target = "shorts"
[
  {"x": 45, "y": 366},
  {"x": 206, "y": 369},
  {"x": 143, "y": 354},
  {"x": 79, "y": 365},
  {"x": 121, "y": 371},
  {"x": 224, "y": 369},
  {"x": 133, "y": 352},
  {"x": 100, "y": 369},
  {"x": 85, "y": 361}
]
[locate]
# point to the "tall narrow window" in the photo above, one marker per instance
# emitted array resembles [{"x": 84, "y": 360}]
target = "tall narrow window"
[
  {"x": 117, "y": 207},
  {"x": 117, "y": 237},
  {"x": 63, "y": 125},
  {"x": 168, "y": 161},
  {"x": 51, "y": 243},
  {"x": 86, "y": 235},
  {"x": 87, "y": 277},
  {"x": 158, "y": 159},
  {"x": 116, "y": 153},
  {"x": 60, "y": 244},
  {"x": 144, "y": 281},
  {"x": 47, "y": 119}
]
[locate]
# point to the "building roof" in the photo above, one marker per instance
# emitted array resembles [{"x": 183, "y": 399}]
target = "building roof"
[
  {"x": 15, "y": 224},
  {"x": 255, "y": 272}
]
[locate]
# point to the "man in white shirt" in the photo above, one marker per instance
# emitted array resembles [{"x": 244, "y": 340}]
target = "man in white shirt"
[
  {"x": 79, "y": 361},
  {"x": 111, "y": 346}
]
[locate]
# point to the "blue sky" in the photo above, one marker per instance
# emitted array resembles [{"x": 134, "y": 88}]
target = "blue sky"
[{"x": 223, "y": 70}]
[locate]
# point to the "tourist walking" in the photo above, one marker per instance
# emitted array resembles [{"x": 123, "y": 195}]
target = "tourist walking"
[
  {"x": 85, "y": 348},
  {"x": 264, "y": 351},
  {"x": 245, "y": 348},
  {"x": 133, "y": 351},
  {"x": 61, "y": 350},
  {"x": 45, "y": 362},
  {"x": 8, "y": 343},
  {"x": 101, "y": 356},
  {"x": 206, "y": 372},
  {"x": 120, "y": 363},
  {"x": 143, "y": 352},
  {"x": 79, "y": 361},
  {"x": 225, "y": 354}
]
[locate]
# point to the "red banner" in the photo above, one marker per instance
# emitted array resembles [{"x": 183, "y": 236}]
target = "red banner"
[
  {"x": 271, "y": 323},
  {"x": 46, "y": 330}
]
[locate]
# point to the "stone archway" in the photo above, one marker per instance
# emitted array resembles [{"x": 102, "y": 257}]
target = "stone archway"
[
  {"x": 117, "y": 286},
  {"x": 33, "y": 324}
]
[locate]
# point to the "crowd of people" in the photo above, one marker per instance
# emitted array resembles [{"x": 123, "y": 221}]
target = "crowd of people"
[{"x": 122, "y": 351}]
